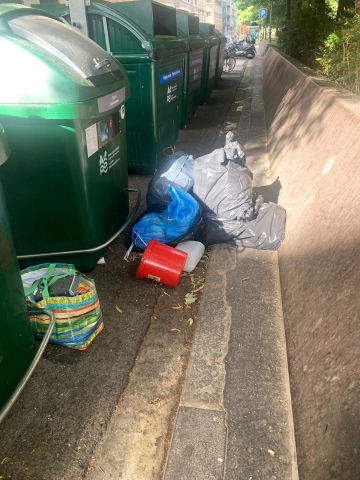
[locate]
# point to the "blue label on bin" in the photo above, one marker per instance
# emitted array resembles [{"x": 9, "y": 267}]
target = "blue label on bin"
[
  {"x": 196, "y": 61},
  {"x": 166, "y": 77}
]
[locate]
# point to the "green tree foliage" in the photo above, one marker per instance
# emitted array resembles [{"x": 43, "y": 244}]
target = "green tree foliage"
[
  {"x": 248, "y": 15},
  {"x": 333, "y": 5},
  {"x": 248, "y": 11},
  {"x": 306, "y": 30},
  {"x": 339, "y": 56}
]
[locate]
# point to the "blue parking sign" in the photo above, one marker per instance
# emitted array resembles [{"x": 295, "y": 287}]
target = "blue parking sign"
[{"x": 263, "y": 12}]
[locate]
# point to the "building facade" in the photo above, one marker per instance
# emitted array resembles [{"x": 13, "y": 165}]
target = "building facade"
[
  {"x": 229, "y": 17},
  {"x": 214, "y": 13}
]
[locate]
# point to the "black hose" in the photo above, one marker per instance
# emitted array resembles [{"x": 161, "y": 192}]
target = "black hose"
[{"x": 5, "y": 410}]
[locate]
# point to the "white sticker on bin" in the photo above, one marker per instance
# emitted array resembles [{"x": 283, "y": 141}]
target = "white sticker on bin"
[{"x": 91, "y": 140}]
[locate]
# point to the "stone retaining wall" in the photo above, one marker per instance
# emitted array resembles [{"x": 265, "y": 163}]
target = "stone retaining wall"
[{"x": 314, "y": 148}]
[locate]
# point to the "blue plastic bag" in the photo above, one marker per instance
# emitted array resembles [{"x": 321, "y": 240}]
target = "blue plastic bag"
[{"x": 168, "y": 225}]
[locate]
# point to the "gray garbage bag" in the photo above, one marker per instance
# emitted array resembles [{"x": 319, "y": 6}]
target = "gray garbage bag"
[
  {"x": 223, "y": 184},
  {"x": 177, "y": 171},
  {"x": 265, "y": 232},
  {"x": 233, "y": 150}
]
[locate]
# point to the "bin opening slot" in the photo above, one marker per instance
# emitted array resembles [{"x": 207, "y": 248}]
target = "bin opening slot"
[
  {"x": 211, "y": 30},
  {"x": 193, "y": 26},
  {"x": 208, "y": 29},
  {"x": 164, "y": 20}
]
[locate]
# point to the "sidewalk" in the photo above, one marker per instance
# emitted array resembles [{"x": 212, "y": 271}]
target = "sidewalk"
[{"x": 235, "y": 419}]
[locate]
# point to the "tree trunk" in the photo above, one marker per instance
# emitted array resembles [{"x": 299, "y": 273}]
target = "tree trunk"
[
  {"x": 343, "y": 8},
  {"x": 287, "y": 11}
]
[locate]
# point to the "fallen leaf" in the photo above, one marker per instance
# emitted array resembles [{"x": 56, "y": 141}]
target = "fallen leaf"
[
  {"x": 190, "y": 298},
  {"x": 4, "y": 460},
  {"x": 267, "y": 172},
  {"x": 244, "y": 279},
  {"x": 173, "y": 329},
  {"x": 118, "y": 309},
  {"x": 179, "y": 307},
  {"x": 232, "y": 126},
  {"x": 198, "y": 289},
  {"x": 191, "y": 321},
  {"x": 179, "y": 358}
]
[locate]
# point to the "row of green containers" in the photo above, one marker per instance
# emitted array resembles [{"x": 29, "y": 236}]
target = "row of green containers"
[
  {"x": 62, "y": 102},
  {"x": 173, "y": 63},
  {"x": 62, "y": 105}
]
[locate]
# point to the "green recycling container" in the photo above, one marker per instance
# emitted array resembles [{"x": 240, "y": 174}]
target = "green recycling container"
[
  {"x": 62, "y": 107},
  {"x": 188, "y": 29},
  {"x": 221, "y": 55},
  {"x": 142, "y": 35},
  {"x": 16, "y": 340},
  {"x": 211, "y": 52}
]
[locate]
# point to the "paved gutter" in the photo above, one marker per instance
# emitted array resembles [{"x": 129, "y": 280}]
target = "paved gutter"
[{"x": 235, "y": 417}]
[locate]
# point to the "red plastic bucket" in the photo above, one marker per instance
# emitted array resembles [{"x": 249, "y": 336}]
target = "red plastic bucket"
[{"x": 161, "y": 263}]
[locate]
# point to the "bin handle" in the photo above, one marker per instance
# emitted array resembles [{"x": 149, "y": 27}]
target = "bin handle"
[
  {"x": 95, "y": 249},
  {"x": 5, "y": 410}
]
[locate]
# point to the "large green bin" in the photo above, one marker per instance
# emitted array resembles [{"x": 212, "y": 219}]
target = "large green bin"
[
  {"x": 221, "y": 55},
  {"x": 188, "y": 29},
  {"x": 16, "y": 340},
  {"x": 211, "y": 52},
  {"x": 142, "y": 36},
  {"x": 61, "y": 104}
]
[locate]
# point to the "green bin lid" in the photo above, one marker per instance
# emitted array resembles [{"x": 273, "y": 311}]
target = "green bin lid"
[
  {"x": 188, "y": 29},
  {"x": 50, "y": 68},
  {"x": 155, "y": 23},
  {"x": 152, "y": 24},
  {"x": 220, "y": 36},
  {"x": 208, "y": 30}
]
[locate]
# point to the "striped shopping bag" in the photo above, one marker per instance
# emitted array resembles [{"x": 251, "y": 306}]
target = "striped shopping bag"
[{"x": 78, "y": 318}]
